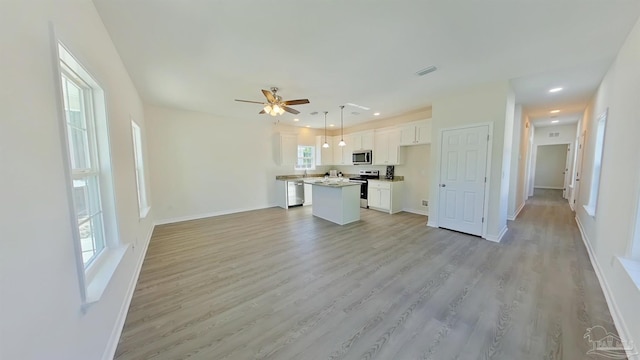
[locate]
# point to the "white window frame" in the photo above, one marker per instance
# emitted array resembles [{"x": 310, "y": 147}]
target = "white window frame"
[
  {"x": 93, "y": 275},
  {"x": 300, "y": 159},
  {"x": 635, "y": 241},
  {"x": 596, "y": 169},
  {"x": 138, "y": 157}
]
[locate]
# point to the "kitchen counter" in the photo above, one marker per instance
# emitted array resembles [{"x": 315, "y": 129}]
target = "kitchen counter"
[
  {"x": 336, "y": 202},
  {"x": 330, "y": 183},
  {"x": 395, "y": 179}
]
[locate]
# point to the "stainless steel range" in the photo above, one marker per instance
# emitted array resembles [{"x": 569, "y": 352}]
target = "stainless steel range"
[{"x": 362, "y": 178}]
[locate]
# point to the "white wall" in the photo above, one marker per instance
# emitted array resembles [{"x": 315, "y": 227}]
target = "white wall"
[
  {"x": 204, "y": 165},
  {"x": 566, "y": 135},
  {"x": 516, "y": 156},
  {"x": 486, "y": 103},
  {"x": 40, "y": 309},
  {"x": 610, "y": 232},
  {"x": 550, "y": 165}
]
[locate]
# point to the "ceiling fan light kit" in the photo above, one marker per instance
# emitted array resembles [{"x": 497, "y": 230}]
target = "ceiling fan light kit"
[{"x": 275, "y": 105}]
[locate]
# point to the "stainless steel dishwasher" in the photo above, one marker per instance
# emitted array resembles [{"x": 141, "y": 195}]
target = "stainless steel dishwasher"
[{"x": 295, "y": 193}]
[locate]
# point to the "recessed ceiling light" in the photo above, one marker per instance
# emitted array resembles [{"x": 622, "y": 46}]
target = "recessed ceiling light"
[
  {"x": 376, "y": 114},
  {"x": 308, "y": 126},
  {"x": 296, "y": 119},
  {"x": 331, "y": 125},
  {"x": 554, "y": 111},
  {"x": 555, "y": 90},
  {"x": 554, "y": 121}
]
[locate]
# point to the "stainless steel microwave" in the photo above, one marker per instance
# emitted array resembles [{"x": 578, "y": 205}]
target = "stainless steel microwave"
[{"x": 362, "y": 157}]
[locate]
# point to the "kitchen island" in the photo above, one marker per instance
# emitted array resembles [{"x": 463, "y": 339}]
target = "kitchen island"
[{"x": 338, "y": 202}]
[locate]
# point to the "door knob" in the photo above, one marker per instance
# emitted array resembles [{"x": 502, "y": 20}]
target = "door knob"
[{"x": 443, "y": 185}]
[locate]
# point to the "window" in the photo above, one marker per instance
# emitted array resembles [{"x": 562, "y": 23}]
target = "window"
[
  {"x": 91, "y": 192},
  {"x": 143, "y": 204},
  {"x": 306, "y": 158},
  {"x": 635, "y": 245},
  {"x": 597, "y": 165},
  {"x": 83, "y": 159}
]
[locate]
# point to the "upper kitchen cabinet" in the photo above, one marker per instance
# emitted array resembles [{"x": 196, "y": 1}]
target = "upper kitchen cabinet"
[
  {"x": 416, "y": 133},
  {"x": 385, "y": 150},
  {"x": 324, "y": 156},
  {"x": 361, "y": 140},
  {"x": 286, "y": 149},
  {"x": 342, "y": 154}
]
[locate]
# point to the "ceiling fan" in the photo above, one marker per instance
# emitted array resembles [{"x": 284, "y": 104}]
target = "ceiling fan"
[{"x": 275, "y": 105}]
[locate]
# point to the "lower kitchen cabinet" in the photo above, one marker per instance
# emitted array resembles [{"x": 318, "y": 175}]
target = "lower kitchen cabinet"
[
  {"x": 385, "y": 195},
  {"x": 308, "y": 194}
]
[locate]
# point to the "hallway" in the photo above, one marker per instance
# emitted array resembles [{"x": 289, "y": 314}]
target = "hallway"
[{"x": 277, "y": 284}]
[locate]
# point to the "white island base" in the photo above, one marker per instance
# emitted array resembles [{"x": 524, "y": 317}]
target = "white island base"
[{"x": 337, "y": 203}]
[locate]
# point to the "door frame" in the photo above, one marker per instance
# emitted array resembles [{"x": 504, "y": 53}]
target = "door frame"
[
  {"x": 487, "y": 185},
  {"x": 534, "y": 159}
]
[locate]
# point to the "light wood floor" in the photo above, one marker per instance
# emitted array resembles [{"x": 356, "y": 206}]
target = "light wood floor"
[{"x": 277, "y": 284}]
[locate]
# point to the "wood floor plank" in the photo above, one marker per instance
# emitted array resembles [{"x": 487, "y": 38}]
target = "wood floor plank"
[{"x": 282, "y": 284}]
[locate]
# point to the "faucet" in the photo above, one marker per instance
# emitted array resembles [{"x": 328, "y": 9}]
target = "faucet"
[{"x": 305, "y": 173}]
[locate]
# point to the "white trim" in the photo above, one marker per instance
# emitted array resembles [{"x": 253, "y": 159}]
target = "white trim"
[
  {"x": 432, "y": 223},
  {"x": 211, "y": 214},
  {"x": 112, "y": 344},
  {"x": 618, "y": 319},
  {"x": 517, "y": 212},
  {"x": 548, "y": 187},
  {"x": 416, "y": 211},
  {"x": 498, "y": 238}
]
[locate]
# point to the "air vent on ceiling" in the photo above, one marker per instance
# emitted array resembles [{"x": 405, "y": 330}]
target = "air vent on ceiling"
[
  {"x": 355, "y": 113},
  {"x": 425, "y": 71},
  {"x": 314, "y": 113}
]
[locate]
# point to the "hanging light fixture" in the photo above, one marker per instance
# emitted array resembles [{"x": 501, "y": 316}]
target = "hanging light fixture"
[
  {"x": 326, "y": 144},
  {"x": 342, "y": 143}
]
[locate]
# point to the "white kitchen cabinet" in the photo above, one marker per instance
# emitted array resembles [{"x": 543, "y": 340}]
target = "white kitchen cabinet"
[
  {"x": 361, "y": 140},
  {"x": 308, "y": 193},
  {"x": 286, "y": 149},
  {"x": 324, "y": 156},
  {"x": 385, "y": 196},
  {"x": 416, "y": 133},
  {"x": 342, "y": 154},
  {"x": 385, "y": 149}
]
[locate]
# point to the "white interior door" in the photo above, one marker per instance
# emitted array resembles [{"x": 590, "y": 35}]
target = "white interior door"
[
  {"x": 577, "y": 173},
  {"x": 463, "y": 165},
  {"x": 567, "y": 174}
]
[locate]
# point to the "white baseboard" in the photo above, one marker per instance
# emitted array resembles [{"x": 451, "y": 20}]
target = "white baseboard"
[
  {"x": 417, "y": 211},
  {"x": 517, "y": 212},
  {"x": 206, "y": 215},
  {"x": 548, "y": 187},
  {"x": 112, "y": 344},
  {"x": 618, "y": 320},
  {"x": 431, "y": 223},
  {"x": 497, "y": 238}
]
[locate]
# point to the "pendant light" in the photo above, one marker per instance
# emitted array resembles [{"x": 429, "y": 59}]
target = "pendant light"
[
  {"x": 326, "y": 144},
  {"x": 341, "y": 143}
]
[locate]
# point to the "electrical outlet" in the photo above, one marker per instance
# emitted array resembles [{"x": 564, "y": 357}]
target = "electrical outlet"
[{"x": 425, "y": 202}]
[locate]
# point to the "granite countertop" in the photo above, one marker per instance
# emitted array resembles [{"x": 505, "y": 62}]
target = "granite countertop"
[
  {"x": 345, "y": 176},
  {"x": 395, "y": 179},
  {"x": 331, "y": 183}
]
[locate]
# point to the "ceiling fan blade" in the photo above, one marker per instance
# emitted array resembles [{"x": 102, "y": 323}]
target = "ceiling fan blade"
[
  {"x": 269, "y": 95},
  {"x": 249, "y": 101},
  {"x": 290, "y": 110},
  {"x": 262, "y": 112},
  {"x": 296, "y": 102}
]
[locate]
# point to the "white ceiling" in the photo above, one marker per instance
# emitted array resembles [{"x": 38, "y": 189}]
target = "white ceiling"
[{"x": 201, "y": 55}]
